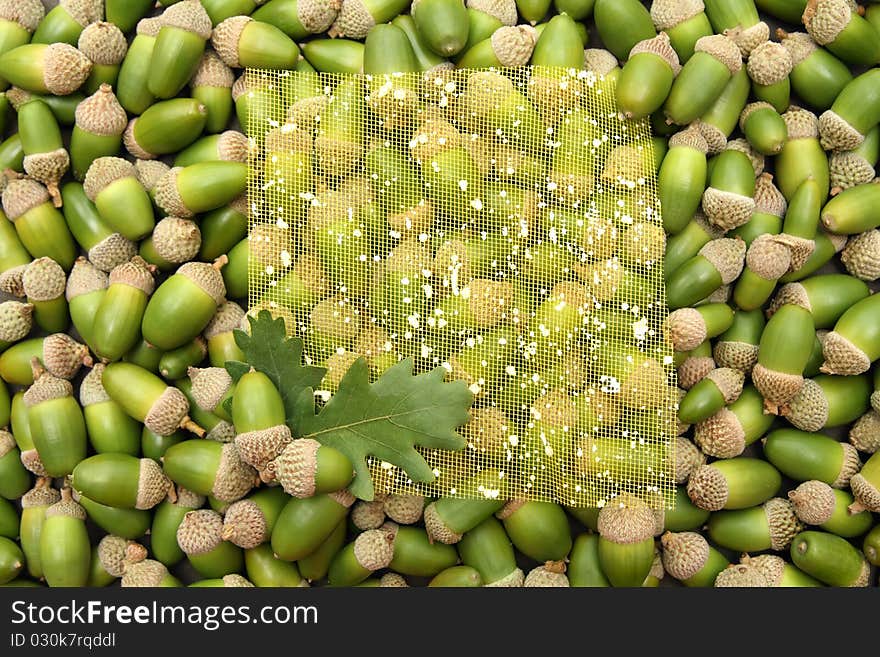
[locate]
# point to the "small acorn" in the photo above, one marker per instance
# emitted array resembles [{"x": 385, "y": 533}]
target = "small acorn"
[
  {"x": 185, "y": 29},
  {"x": 249, "y": 522},
  {"x": 109, "y": 427},
  {"x": 100, "y": 122},
  {"x": 149, "y": 172},
  {"x": 626, "y": 540},
  {"x": 57, "y": 68},
  {"x": 39, "y": 224},
  {"x": 210, "y": 468},
  {"x": 689, "y": 558},
  {"x": 187, "y": 191},
  {"x": 110, "y": 558},
  {"x": 44, "y": 283},
  {"x": 173, "y": 242},
  {"x": 404, "y": 509},
  {"x": 200, "y": 536},
  {"x": 260, "y": 423},
  {"x": 372, "y": 550},
  {"x": 305, "y": 468},
  {"x": 121, "y": 200},
  {"x": 65, "y": 550},
  {"x": 14, "y": 477},
  {"x": 105, "y": 45},
  {"x": 116, "y": 325}
]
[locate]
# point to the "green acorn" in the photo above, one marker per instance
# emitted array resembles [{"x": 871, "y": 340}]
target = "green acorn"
[
  {"x": 260, "y": 423},
  {"x": 34, "y": 504},
  {"x": 242, "y": 42},
  {"x": 817, "y": 76},
  {"x": 66, "y": 21},
  {"x": 727, "y": 433},
  {"x": 38, "y": 223},
  {"x": 682, "y": 178},
  {"x": 763, "y": 127},
  {"x": 736, "y": 483},
  {"x": 602, "y": 62},
  {"x": 851, "y": 351},
  {"x": 116, "y": 327},
  {"x": 267, "y": 570},
  {"x": 772, "y": 525},
  {"x": 45, "y": 158},
  {"x": 12, "y": 251},
  {"x": 109, "y": 428},
  {"x": 121, "y": 481},
  {"x": 769, "y": 66},
  {"x": 537, "y": 529},
  {"x": 306, "y": 468},
  {"x": 719, "y": 262},
  {"x": 65, "y": 551},
  {"x": 131, "y": 87},
  {"x": 830, "y": 559},
  {"x": 829, "y": 401},
  {"x": 801, "y": 156},
  {"x": 100, "y": 122},
  {"x": 855, "y": 167},
  {"x": 249, "y": 522},
  {"x": 457, "y": 577},
  {"x": 106, "y": 249},
  {"x": 684, "y": 21},
  {"x": 200, "y": 537},
  {"x": 621, "y": 25},
  {"x": 767, "y": 259},
  {"x": 334, "y": 55},
  {"x": 211, "y": 85},
  {"x": 859, "y": 255},
  {"x": 211, "y": 388},
  {"x": 865, "y": 486},
  {"x": 719, "y": 388},
  {"x": 86, "y": 286},
  {"x": 211, "y": 468},
  {"x": 173, "y": 242},
  {"x": 816, "y": 503},
  {"x": 778, "y": 572},
  {"x": 222, "y": 229},
  {"x": 15, "y": 478},
  {"x": 217, "y": 429},
  {"x": 166, "y": 519},
  {"x": 105, "y": 45},
  {"x": 18, "y": 20},
  {"x": 305, "y": 523},
  {"x": 186, "y": 191},
  {"x": 869, "y": 547},
  {"x": 119, "y": 197},
  {"x": 299, "y": 18},
  {"x": 783, "y": 354},
  {"x": 803, "y": 456},
  {"x": 148, "y": 137},
  {"x": 184, "y": 304},
  {"x": 185, "y": 29},
  {"x": 690, "y": 327},
  {"x": 425, "y": 59},
  {"x": 219, "y": 334},
  {"x": 837, "y": 26},
  {"x": 689, "y": 558},
  {"x": 720, "y": 120},
  {"x": 487, "y": 549},
  {"x": 626, "y": 543},
  {"x": 371, "y": 551},
  {"x": 58, "y": 68},
  {"x": 125, "y": 14},
  {"x": 357, "y": 17},
  {"x": 338, "y": 142},
  {"x": 647, "y": 77}
]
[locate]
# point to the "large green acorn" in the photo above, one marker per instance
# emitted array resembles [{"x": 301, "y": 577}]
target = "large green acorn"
[
  {"x": 100, "y": 122},
  {"x": 167, "y": 517},
  {"x": 65, "y": 550},
  {"x": 121, "y": 200},
  {"x": 58, "y": 68},
  {"x": 38, "y": 223},
  {"x": 305, "y": 523},
  {"x": 249, "y": 522},
  {"x": 626, "y": 540},
  {"x": 105, "y": 45},
  {"x": 34, "y": 504},
  {"x": 242, "y": 42},
  {"x": 109, "y": 427},
  {"x": 260, "y": 422},
  {"x": 210, "y": 468},
  {"x": 200, "y": 536},
  {"x": 185, "y": 29},
  {"x": 117, "y": 322},
  {"x": 121, "y": 480}
]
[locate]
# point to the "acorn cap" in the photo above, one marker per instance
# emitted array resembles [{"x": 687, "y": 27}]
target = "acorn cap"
[
  {"x": 21, "y": 195},
  {"x": 296, "y": 466},
  {"x": 207, "y": 277},
  {"x": 48, "y": 168},
  {"x": 842, "y": 356},
  {"x": 135, "y": 273},
  {"x": 721, "y": 435},
  {"x": 209, "y": 386},
  {"x": 42, "y": 494},
  {"x": 317, "y": 16},
  {"x": 741, "y": 576},
  {"x": 226, "y": 36},
  {"x": 342, "y": 498},
  {"x": 212, "y": 72},
  {"x": 826, "y": 19},
  {"x": 801, "y": 123},
  {"x": 514, "y": 579},
  {"x": 101, "y": 113},
  {"x": 768, "y": 198},
  {"x": 771, "y": 566},
  {"x": 722, "y": 48},
  {"x": 115, "y": 551},
  {"x": 227, "y": 318},
  {"x": 112, "y": 251},
  {"x": 690, "y": 137},
  {"x": 240, "y": 87},
  {"x": 200, "y": 531},
  {"x": 435, "y": 136},
  {"x": 600, "y": 61},
  {"x": 799, "y": 45},
  {"x": 848, "y": 169},
  {"x": 801, "y": 248},
  {"x": 693, "y": 370},
  {"x": 91, "y": 390},
  {"x": 437, "y": 529},
  {"x": 813, "y": 502},
  {"x": 11, "y": 281},
  {"x": 487, "y": 429},
  {"x": 659, "y": 46},
  {"x": 16, "y": 320},
  {"x": 687, "y": 329},
  {"x": 392, "y": 580},
  {"x": 784, "y": 524},
  {"x": 289, "y": 137},
  {"x": 727, "y": 255},
  {"x": 504, "y": 10},
  {"x": 513, "y": 45},
  {"x": 132, "y": 145},
  {"x": 66, "y": 507},
  {"x": 234, "y": 477},
  {"x": 738, "y": 355},
  {"x": 837, "y": 134},
  {"x": 176, "y": 240},
  {"x": 353, "y": 21},
  {"x": 368, "y": 515},
  {"x": 769, "y": 63},
  {"x": 777, "y": 388},
  {"x": 245, "y": 525},
  {"x": 65, "y": 69},
  {"x": 7, "y": 443},
  {"x": 865, "y": 433},
  {"x": 547, "y": 577},
  {"x": 146, "y": 573},
  {"x": 27, "y": 13},
  {"x": 149, "y": 26},
  {"x": 152, "y": 485},
  {"x": 626, "y": 519},
  {"x": 808, "y": 411},
  {"x": 374, "y": 549},
  {"x": 44, "y": 280},
  {"x": 715, "y": 139},
  {"x": 83, "y": 12},
  {"x": 866, "y": 493},
  {"x": 260, "y": 448},
  {"x": 768, "y": 258},
  {"x": 749, "y": 38},
  {"x": 167, "y": 195},
  {"x": 167, "y": 412},
  {"x": 103, "y": 43},
  {"x": 850, "y": 466},
  {"x": 63, "y": 356},
  {"x": 232, "y": 146},
  {"x": 708, "y": 488},
  {"x": 687, "y": 459},
  {"x": 223, "y": 432},
  {"x": 103, "y": 172},
  {"x": 684, "y": 554},
  {"x": 189, "y": 16},
  {"x": 32, "y": 463},
  {"x": 405, "y": 509},
  {"x": 334, "y": 318}
]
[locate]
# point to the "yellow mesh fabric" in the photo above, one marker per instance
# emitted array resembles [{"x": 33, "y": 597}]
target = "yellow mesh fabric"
[{"x": 503, "y": 224}]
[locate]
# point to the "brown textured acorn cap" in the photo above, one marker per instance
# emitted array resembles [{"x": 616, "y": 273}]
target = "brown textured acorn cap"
[
  {"x": 91, "y": 390},
  {"x": 749, "y": 38},
  {"x": 626, "y": 519},
  {"x": 802, "y": 248},
  {"x": 209, "y": 386},
  {"x": 152, "y": 485},
  {"x": 850, "y": 466},
  {"x": 437, "y": 528},
  {"x": 684, "y": 554},
  {"x": 212, "y": 72},
  {"x": 374, "y": 549},
  {"x": 207, "y": 277},
  {"x": 245, "y": 525},
  {"x": 48, "y": 168},
  {"x": 115, "y": 551},
  {"x": 149, "y": 26},
  {"x": 16, "y": 320},
  {"x": 296, "y": 466},
  {"x": 487, "y": 429},
  {"x": 103, "y": 43},
  {"x": 103, "y": 172},
  {"x": 85, "y": 278},
  {"x": 189, "y": 16},
  {"x": 368, "y": 515},
  {"x": 405, "y": 509},
  {"x": 342, "y": 498},
  {"x": 801, "y": 123},
  {"x": 177, "y": 240},
  {"x": 226, "y": 36},
  {"x": 167, "y": 195},
  {"x": 826, "y": 19},
  {"x": 783, "y": 523},
  {"x": 799, "y": 45},
  {"x": 547, "y": 577},
  {"x": 135, "y": 273},
  {"x": 227, "y": 318},
  {"x": 21, "y": 195},
  {"x": 392, "y": 580},
  {"x": 708, "y": 488},
  {"x": 849, "y": 169},
  {"x": 741, "y": 576},
  {"x": 30, "y": 459},
  {"x": 27, "y": 13},
  {"x": 768, "y": 258},
  {"x": 727, "y": 255},
  {"x": 769, "y": 63},
  {"x": 63, "y": 356},
  {"x": 234, "y": 477},
  {"x": 738, "y": 355},
  {"x": 721, "y": 435},
  {"x": 354, "y": 20},
  {"x": 777, "y": 388},
  {"x": 236, "y": 582},
  {"x": 865, "y": 433},
  {"x": 690, "y": 137},
  {"x": 436, "y": 136},
  {"x": 842, "y": 356},
  {"x": 66, "y": 507},
  {"x": 693, "y": 370},
  {"x": 768, "y": 198},
  {"x": 836, "y": 133},
  {"x": 659, "y": 46},
  {"x": 715, "y": 139},
  {"x": 146, "y": 573},
  {"x": 65, "y": 69},
  {"x": 187, "y": 499},
  {"x": 167, "y": 412},
  {"x": 240, "y": 86},
  {"x": 866, "y": 493},
  {"x": 132, "y": 145},
  {"x": 232, "y": 146},
  {"x": 861, "y": 256},
  {"x": 808, "y": 411},
  {"x": 687, "y": 329},
  {"x": 514, "y": 579},
  {"x": 43, "y": 280},
  {"x": 42, "y": 494},
  {"x": 148, "y": 172},
  {"x": 687, "y": 459},
  {"x": 11, "y": 281},
  {"x": 317, "y": 15},
  {"x": 200, "y": 531},
  {"x": 513, "y": 45},
  {"x": 504, "y": 10},
  {"x": 7, "y": 443},
  {"x": 722, "y": 48},
  {"x": 813, "y": 502},
  {"x": 83, "y": 12},
  {"x": 223, "y": 432},
  {"x": 667, "y": 14},
  {"x": 111, "y": 251},
  {"x": 101, "y": 113},
  {"x": 771, "y": 566},
  {"x": 599, "y": 61},
  {"x": 261, "y": 447}
]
